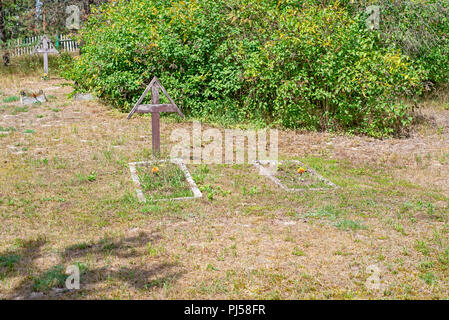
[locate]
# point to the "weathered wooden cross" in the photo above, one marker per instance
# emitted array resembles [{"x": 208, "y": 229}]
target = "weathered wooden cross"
[
  {"x": 45, "y": 46},
  {"x": 155, "y": 108}
]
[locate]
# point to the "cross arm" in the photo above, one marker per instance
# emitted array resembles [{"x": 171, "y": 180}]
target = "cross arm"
[{"x": 150, "y": 108}]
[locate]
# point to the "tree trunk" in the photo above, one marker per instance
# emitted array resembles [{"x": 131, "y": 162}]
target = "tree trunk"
[
  {"x": 88, "y": 4},
  {"x": 3, "y": 34}
]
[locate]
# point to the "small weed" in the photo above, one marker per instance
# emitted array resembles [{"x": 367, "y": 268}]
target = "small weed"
[
  {"x": 399, "y": 228},
  {"x": 422, "y": 247},
  {"x": 200, "y": 174},
  {"x": 211, "y": 268},
  {"x": 253, "y": 191},
  {"x": 91, "y": 177},
  {"x": 152, "y": 251},
  {"x": 430, "y": 209},
  {"x": 211, "y": 191},
  {"x": 297, "y": 252},
  {"x": 429, "y": 278},
  {"x": 349, "y": 225}
]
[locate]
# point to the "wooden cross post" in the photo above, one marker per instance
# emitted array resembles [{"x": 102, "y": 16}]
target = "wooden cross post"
[
  {"x": 155, "y": 123},
  {"x": 155, "y": 108},
  {"x": 45, "y": 46}
]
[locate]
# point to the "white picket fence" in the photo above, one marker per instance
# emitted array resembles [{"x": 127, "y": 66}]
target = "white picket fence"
[
  {"x": 25, "y": 46},
  {"x": 66, "y": 44}
]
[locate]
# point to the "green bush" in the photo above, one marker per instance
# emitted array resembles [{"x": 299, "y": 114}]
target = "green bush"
[
  {"x": 419, "y": 28},
  {"x": 292, "y": 63},
  {"x": 322, "y": 69}
]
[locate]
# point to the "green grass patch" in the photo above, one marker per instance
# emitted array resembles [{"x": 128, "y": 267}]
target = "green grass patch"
[
  {"x": 429, "y": 278},
  {"x": 297, "y": 252},
  {"x": 91, "y": 177},
  {"x": 346, "y": 224},
  {"x": 164, "y": 180},
  {"x": 7, "y": 129},
  {"x": 294, "y": 176},
  {"x": 327, "y": 212},
  {"x": 9, "y": 261},
  {"x": 422, "y": 247},
  {"x": 10, "y": 99},
  {"x": 53, "y": 278}
]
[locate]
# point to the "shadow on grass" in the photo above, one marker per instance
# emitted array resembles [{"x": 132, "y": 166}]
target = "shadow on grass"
[
  {"x": 50, "y": 284},
  {"x": 14, "y": 262},
  {"x": 22, "y": 252}
]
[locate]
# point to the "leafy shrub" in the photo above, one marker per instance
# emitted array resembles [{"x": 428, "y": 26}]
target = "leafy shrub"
[
  {"x": 321, "y": 69},
  {"x": 420, "y": 28},
  {"x": 292, "y": 63}
]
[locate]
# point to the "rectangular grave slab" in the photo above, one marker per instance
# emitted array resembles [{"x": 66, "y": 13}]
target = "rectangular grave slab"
[
  {"x": 140, "y": 195},
  {"x": 273, "y": 164},
  {"x": 27, "y": 99}
]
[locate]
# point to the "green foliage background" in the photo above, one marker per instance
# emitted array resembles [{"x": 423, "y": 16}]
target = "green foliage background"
[{"x": 294, "y": 63}]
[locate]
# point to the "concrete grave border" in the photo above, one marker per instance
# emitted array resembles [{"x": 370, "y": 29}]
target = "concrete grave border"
[
  {"x": 266, "y": 173},
  {"x": 141, "y": 197},
  {"x": 26, "y": 100}
]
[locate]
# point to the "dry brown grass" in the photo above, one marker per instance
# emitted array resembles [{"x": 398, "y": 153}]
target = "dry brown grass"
[{"x": 244, "y": 239}]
